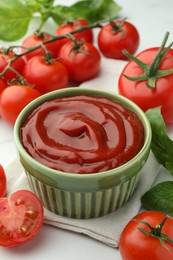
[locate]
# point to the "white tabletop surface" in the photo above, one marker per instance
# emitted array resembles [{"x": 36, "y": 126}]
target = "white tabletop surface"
[{"x": 152, "y": 18}]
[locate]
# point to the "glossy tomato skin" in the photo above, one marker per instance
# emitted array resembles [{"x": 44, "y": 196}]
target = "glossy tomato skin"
[
  {"x": 21, "y": 218},
  {"x": 34, "y": 40},
  {"x": 3, "y": 182},
  {"x": 17, "y": 65},
  {"x": 13, "y": 99},
  {"x": 45, "y": 76},
  {"x": 81, "y": 65},
  {"x": 2, "y": 85},
  {"x": 112, "y": 43},
  {"x": 135, "y": 245},
  {"x": 144, "y": 97},
  {"x": 73, "y": 25}
]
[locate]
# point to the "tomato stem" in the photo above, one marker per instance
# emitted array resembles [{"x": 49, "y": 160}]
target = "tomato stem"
[
  {"x": 156, "y": 231},
  {"x": 151, "y": 72},
  {"x": 117, "y": 27},
  {"x": 9, "y": 67}
]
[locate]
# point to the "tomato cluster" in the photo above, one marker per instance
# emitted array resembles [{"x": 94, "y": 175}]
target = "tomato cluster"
[{"x": 58, "y": 63}]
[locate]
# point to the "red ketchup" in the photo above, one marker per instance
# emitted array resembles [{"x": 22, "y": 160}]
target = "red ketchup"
[{"x": 82, "y": 134}]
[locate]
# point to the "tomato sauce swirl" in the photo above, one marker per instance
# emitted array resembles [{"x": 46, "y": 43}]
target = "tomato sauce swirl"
[{"x": 82, "y": 134}]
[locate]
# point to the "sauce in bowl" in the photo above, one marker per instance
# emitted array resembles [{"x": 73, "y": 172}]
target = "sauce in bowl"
[{"x": 82, "y": 134}]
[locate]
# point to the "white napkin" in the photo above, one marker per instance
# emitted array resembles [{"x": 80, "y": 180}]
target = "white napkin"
[{"x": 106, "y": 229}]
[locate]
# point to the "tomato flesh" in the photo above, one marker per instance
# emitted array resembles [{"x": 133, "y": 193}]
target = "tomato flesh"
[
  {"x": 21, "y": 217},
  {"x": 2, "y": 182}
]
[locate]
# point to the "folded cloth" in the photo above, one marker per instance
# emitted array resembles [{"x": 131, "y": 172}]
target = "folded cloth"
[{"x": 106, "y": 229}]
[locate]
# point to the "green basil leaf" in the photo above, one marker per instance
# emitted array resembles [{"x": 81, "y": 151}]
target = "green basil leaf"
[
  {"x": 33, "y": 5},
  {"x": 14, "y": 19},
  {"x": 161, "y": 145},
  {"x": 159, "y": 197},
  {"x": 169, "y": 167},
  {"x": 91, "y": 10}
]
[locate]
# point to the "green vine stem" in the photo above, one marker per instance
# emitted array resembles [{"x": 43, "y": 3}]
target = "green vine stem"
[
  {"x": 56, "y": 38},
  {"x": 151, "y": 72},
  {"x": 52, "y": 39}
]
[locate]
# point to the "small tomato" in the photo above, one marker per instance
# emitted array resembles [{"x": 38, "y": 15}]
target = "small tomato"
[
  {"x": 82, "y": 60},
  {"x": 72, "y": 25},
  {"x": 13, "y": 99},
  {"x": 116, "y": 36},
  {"x": 36, "y": 39},
  {"x": 45, "y": 76}
]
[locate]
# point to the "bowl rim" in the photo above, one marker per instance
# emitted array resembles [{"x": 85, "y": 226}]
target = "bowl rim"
[{"x": 82, "y": 91}]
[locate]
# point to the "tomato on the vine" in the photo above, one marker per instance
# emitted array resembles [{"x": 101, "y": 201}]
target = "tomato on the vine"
[
  {"x": 45, "y": 75},
  {"x": 116, "y": 36},
  {"x": 36, "y": 39},
  {"x": 72, "y": 25},
  {"x": 2, "y": 182},
  {"x": 13, "y": 99},
  {"x": 17, "y": 64},
  {"x": 149, "y": 235},
  {"x": 21, "y": 217},
  {"x": 148, "y": 81},
  {"x": 82, "y": 60}
]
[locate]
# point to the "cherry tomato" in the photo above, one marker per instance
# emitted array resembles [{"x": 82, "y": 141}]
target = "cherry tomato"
[
  {"x": 140, "y": 93},
  {"x": 83, "y": 62},
  {"x": 2, "y": 85},
  {"x": 21, "y": 217},
  {"x": 35, "y": 39},
  {"x": 13, "y": 99},
  {"x": 116, "y": 36},
  {"x": 73, "y": 25},
  {"x": 135, "y": 244},
  {"x": 45, "y": 76},
  {"x": 2, "y": 182},
  {"x": 17, "y": 64}
]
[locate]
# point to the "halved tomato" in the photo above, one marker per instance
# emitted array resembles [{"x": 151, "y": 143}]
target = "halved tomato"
[{"x": 21, "y": 217}]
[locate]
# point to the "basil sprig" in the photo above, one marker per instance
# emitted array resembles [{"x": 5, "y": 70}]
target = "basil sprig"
[
  {"x": 16, "y": 15},
  {"x": 160, "y": 197}
]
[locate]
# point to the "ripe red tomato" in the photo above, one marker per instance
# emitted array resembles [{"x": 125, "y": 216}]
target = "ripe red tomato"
[
  {"x": 35, "y": 39},
  {"x": 82, "y": 63},
  {"x": 114, "y": 37},
  {"x": 73, "y": 25},
  {"x": 138, "y": 91},
  {"x": 2, "y": 182},
  {"x": 17, "y": 65},
  {"x": 45, "y": 76},
  {"x": 2, "y": 85},
  {"x": 21, "y": 217},
  {"x": 135, "y": 245},
  {"x": 13, "y": 99}
]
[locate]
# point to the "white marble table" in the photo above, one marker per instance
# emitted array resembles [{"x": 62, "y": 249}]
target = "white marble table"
[{"x": 152, "y": 18}]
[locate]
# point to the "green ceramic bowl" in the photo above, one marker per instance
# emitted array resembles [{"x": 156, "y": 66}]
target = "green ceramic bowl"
[{"x": 83, "y": 195}]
